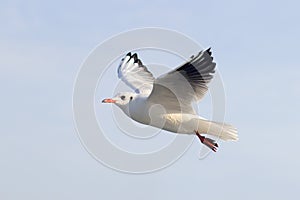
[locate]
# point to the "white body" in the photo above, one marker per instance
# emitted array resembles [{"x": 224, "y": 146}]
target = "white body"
[
  {"x": 166, "y": 102},
  {"x": 148, "y": 113}
]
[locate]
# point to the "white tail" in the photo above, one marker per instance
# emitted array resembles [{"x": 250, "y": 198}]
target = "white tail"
[{"x": 224, "y": 131}]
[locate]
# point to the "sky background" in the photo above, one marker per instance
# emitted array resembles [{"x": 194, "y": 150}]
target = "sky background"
[{"x": 256, "y": 45}]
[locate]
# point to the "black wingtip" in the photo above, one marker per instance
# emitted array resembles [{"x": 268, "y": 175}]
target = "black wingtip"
[
  {"x": 128, "y": 54},
  {"x": 209, "y": 51},
  {"x": 134, "y": 56},
  {"x": 139, "y": 62}
]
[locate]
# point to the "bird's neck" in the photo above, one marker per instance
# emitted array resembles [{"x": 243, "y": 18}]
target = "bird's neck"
[{"x": 125, "y": 109}]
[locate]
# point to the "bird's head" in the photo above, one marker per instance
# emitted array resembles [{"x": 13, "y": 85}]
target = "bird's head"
[{"x": 122, "y": 100}]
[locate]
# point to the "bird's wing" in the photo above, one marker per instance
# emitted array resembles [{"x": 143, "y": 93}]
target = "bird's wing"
[
  {"x": 177, "y": 89},
  {"x": 136, "y": 75}
]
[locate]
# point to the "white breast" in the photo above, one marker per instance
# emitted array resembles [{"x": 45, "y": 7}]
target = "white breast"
[{"x": 139, "y": 109}]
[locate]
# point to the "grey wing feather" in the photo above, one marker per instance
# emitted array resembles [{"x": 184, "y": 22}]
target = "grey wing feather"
[{"x": 180, "y": 87}]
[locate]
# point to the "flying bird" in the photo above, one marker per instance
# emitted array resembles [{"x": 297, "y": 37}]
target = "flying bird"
[{"x": 175, "y": 92}]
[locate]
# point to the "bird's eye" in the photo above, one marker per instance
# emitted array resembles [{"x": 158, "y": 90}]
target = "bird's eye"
[
  {"x": 122, "y": 97},
  {"x": 131, "y": 98}
]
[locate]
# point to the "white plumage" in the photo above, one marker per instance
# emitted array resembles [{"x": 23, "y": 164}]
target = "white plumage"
[{"x": 174, "y": 91}]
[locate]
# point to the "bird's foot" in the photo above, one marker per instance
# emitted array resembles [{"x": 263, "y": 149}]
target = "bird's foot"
[{"x": 208, "y": 142}]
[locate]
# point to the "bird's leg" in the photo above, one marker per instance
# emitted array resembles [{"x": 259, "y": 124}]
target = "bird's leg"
[{"x": 208, "y": 142}]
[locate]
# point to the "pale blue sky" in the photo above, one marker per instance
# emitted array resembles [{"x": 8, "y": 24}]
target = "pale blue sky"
[{"x": 256, "y": 45}]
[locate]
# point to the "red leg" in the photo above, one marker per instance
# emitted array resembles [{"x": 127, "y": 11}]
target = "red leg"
[{"x": 207, "y": 141}]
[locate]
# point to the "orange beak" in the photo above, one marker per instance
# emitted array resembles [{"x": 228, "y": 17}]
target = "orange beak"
[{"x": 108, "y": 101}]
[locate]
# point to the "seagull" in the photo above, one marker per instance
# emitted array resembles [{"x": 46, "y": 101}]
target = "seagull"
[{"x": 166, "y": 102}]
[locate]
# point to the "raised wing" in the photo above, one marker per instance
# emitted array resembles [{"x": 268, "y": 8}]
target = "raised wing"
[
  {"x": 177, "y": 89},
  {"x": 136, "y": 75}
]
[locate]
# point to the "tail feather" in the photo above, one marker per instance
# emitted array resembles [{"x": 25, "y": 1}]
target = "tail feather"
[{"x": 223, "y": 131}]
